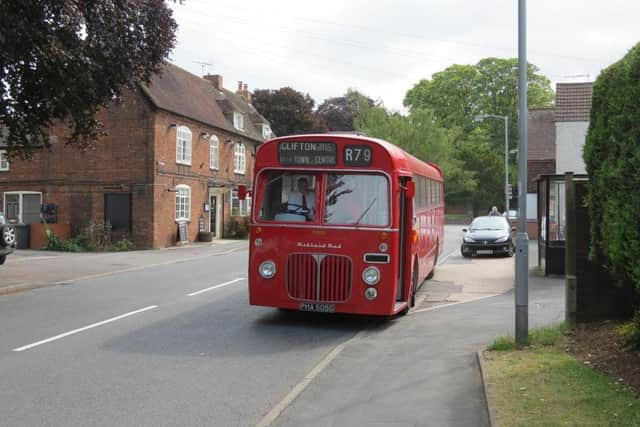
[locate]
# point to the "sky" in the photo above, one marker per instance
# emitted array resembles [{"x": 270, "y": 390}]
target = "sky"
[{"x": 383, "y": 48}]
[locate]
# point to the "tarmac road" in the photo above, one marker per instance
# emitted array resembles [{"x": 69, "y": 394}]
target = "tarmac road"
[{"x": 177, "y": 344}]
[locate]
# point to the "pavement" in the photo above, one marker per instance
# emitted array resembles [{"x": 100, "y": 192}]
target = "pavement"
[
  {"x": 167, "y": 338},
  {"x": 32, "y": 269}
]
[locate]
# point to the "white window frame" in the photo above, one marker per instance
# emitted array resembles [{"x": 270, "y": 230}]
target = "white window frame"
[
  {"x": 214, "y": 152},
  {"x": 20, "y": 201},
  {"x": 183, "y": 145},
  {"x": 238, "y": 120},
  {"x": 183, "y": 206},
  {"x": 4, "y": 161},
  {"x": 239, "y": 159},
  {"x": 266, "y": 131},
  {"x": 244, "y": 206}
]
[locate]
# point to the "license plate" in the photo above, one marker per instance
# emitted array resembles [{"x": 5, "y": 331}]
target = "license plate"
[
  {"x": 318, "y": 308},
  {"x": 485, "y": 252}
]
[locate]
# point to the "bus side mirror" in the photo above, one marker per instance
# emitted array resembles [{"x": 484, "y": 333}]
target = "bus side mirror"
[
  {"x": 242, "y": 192},
  {"x": 411, "y": 190}
]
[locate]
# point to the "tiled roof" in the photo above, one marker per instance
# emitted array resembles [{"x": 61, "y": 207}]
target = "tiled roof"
[
  {"x": 541, "y": 132},
  {"x": 230, "y": 101},
  {"x": 573, "y": 102},
  {"x": 180, "y": 92}
]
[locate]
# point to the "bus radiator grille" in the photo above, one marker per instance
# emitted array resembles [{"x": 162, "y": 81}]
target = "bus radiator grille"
[{"x": 319, "y": 277}]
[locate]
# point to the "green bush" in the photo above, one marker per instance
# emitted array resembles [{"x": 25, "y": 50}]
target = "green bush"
[
  {"x": 238, "y": 228},
  {"x": 77, "y": 243},
  {"x": 612, "y": 158},
  {"x": 630, "y": 333},
  {"x": 122, "y": 245}
]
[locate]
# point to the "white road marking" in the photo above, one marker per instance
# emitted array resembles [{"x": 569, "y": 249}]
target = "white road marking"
[
  {"x": 268, "y": 419},
  {"x": 231, "y": 282},
  {"x": 435, "y": 307},
  {"x": 75, "y": 331},
  {"x": 447, "y": 256}
]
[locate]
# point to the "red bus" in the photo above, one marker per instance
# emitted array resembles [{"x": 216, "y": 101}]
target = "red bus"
[{"x": 342, "y": 223}]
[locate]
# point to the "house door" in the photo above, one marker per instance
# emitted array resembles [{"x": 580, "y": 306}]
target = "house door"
[{"x": 213, "y": 215}]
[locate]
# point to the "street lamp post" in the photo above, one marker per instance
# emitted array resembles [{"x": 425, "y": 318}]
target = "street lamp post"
[{"x": 481, "y": 117}]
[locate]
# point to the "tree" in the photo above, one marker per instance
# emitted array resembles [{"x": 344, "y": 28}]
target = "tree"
[
  {"x": 419, "y": 134},
  {"x": 338, "y": 113},
  {"x": 64, "y": 59},
  {"x": 288, "y": 110},
  {"x": 612, "y": 158},
  {"x": 461, "y": 92},
  {"x": 479, "y": 158}
]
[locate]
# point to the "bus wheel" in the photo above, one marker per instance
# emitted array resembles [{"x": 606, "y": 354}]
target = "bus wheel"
[
  {"x": 435, "y": 262},
  {"x": 414, "y": 284}
]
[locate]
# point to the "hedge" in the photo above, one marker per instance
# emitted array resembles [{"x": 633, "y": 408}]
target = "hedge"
[{"x": 612, "y": 157}]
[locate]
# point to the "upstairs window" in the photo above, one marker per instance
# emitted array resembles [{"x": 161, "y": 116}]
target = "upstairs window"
[
  {"x": 238, "y": 121},
  {"x": 4, "y": 161},
  {"x": 183, "y": 145},
  {"x": 266, "y": 131},
  {"x": 239, "y": 159},
  {"x": 213, "y": 153},
  {"x": 183, "y": 203}
]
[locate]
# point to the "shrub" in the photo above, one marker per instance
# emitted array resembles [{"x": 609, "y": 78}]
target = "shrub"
[
  {"x": 238, "y": 228},
  {"x": 630, "y": 333},
  {"x": 612, "y": 158},
  {"x": 122, "y": 245}
]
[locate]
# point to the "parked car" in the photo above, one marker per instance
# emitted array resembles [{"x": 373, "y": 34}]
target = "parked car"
[
  {"x": 7, "y": 239},
  {"x": 488, "y": 235}
]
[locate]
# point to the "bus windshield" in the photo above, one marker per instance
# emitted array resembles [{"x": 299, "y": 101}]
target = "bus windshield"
[
  {"x": 357, "y": 199},
  {"x": 349, "y": 199}
]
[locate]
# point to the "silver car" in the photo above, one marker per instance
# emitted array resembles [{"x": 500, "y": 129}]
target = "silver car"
[{"x": 7, "y": 239}]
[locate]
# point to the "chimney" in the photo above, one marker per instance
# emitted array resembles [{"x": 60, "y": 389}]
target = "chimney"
[
  {"x": 215, "y": 79},
  {"x": 243, "y": 91}
]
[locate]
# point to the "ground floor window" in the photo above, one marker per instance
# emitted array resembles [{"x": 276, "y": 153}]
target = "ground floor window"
[
  {"x": 183, "y": 203},
  {"x": 117, "y": 211},
  {"x": 22, "y": 207},
  {"x": 239, "y": 207}
]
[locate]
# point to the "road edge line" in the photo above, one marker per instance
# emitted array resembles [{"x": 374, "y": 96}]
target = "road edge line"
[
  {"x": 485, "y": 391},
  {"x": 297, "y": 390}
]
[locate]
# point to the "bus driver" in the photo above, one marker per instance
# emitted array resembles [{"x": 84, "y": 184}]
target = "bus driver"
[{"x": 302, "y": 201}]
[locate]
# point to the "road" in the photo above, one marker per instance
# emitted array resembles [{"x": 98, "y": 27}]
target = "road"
[{"x": 176, "y": 344}]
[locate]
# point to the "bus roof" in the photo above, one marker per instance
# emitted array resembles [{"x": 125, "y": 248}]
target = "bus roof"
[{"x": 402, "y": 161}]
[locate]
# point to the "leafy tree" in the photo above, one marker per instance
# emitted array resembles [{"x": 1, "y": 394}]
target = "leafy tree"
[
  {"x": 64, "y": 59},
  {"x": 612, "y": 158},
  {"x": 288, "y": 110},
  {"x": 338, "y": 113},
  {"x": 460, "y": 92},
  {"x": 478, "y": 157},
  {"x": 420, "y": 135}
]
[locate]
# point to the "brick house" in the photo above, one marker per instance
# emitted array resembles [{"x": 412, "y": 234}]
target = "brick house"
[
  {"x": 556, "y": 138},
  {"x": 175, "y": 150}
]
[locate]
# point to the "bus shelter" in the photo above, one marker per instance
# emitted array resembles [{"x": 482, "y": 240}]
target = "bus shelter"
[{"x": 552, "y": 221}]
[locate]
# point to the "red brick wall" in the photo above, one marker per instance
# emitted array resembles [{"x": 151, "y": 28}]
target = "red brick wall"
[
  {"x": 538, "y": 167},
  {"x": 76, "y": 180},
  {"x": 198, "y": 176}
]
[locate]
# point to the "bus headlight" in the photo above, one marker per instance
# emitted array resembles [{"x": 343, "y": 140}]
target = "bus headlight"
[
  {"x": 267, "y": 269},
  {"x": 371, "y": 293},
  {"x": 371, "y": 276}
]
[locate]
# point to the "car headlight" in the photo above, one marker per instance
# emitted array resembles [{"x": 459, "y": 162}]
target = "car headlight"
[
  {"x": 267, "y": 269},
  {"x": 371, "y": 275},
  {"x": 502, "y": 239},
  {"x": 468, "y": 239}
]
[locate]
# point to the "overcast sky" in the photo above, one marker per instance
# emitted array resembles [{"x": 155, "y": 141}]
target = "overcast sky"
[{"x": 383, "y": 48}]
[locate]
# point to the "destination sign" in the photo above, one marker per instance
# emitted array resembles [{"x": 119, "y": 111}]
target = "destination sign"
[
  {"x": 301, "y": 153},
  {"x": 357, "y": 155}
]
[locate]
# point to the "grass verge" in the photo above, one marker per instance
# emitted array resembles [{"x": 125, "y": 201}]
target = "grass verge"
[{"x": 542, "y": 385}]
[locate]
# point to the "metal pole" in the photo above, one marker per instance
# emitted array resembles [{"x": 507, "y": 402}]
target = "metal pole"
[
  {"x": 522, "y": 242},
  {"x": 506, "y": 165},
  {"x": 570, "y": 250}
]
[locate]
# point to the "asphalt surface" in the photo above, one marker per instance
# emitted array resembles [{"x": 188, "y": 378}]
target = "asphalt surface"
[{"x": 176, "y": 344}]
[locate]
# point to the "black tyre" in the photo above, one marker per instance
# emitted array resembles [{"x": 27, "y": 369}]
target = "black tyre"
[
  {"x": 7, "y": 235},
  {"x": 465, "y": 254},
  {"x": 435, "y": 262},
  {"x": 3, "y": 258},
  {"x": 414, "y": 286}
]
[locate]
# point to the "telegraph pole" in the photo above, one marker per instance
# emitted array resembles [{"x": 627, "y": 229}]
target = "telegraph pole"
[{"x": 522, "y": 242}]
